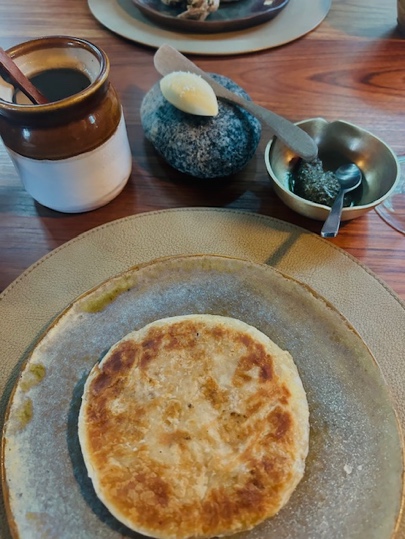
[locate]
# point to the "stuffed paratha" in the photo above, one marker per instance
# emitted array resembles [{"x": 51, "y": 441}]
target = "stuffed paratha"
[{"x": 194, "y": 426}]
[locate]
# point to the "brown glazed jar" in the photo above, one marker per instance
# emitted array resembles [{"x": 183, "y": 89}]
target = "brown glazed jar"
[{"x": 72, "y": 154}]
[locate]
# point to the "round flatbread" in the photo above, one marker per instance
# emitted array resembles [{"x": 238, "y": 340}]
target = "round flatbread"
[{"x": 194, "y": 426}]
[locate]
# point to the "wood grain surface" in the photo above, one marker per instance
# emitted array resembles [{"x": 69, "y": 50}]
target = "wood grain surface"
[{"x": 352, "y": 67}]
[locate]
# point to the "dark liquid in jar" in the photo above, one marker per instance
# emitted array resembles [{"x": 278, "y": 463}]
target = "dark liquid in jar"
[{"x": 59, "y": 83}]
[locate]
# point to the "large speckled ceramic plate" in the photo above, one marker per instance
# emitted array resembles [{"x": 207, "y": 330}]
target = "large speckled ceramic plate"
[
  {"x": 295, "y": 20},
  {"x": 353, "y": 481}
]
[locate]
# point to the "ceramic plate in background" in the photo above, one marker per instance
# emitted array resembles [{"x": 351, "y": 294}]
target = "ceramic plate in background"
[
  {"x": 353, "y": 481},
  {"x": 294, "y": 21}
]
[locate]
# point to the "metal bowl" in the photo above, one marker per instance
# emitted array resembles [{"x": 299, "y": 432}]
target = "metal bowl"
[{"x": 339, "y": 143}]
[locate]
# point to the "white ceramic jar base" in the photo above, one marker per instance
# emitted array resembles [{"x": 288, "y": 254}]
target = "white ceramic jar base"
[{"x": 81, "y": 183}]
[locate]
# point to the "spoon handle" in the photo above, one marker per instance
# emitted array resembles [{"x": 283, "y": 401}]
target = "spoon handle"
[
  {"x": 19, "y": 80},
  {"x": 331, "y": 225},
  {"x": 167, "y": 59}
]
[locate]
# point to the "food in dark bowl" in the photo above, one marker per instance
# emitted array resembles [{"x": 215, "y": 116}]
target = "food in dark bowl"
[{"x": 210, "y": 16}]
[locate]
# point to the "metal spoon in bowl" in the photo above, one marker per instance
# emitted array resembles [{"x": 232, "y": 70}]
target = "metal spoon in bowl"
[
  {"x": 349, "y": 177},
  {"x": 167, "y": 59}
]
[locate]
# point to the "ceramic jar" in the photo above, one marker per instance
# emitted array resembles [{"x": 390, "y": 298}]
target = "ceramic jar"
[{"x": 72, "y": 154}]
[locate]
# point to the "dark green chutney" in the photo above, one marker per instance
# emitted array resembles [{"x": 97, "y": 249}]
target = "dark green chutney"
[{"x": 310, "y": 181}]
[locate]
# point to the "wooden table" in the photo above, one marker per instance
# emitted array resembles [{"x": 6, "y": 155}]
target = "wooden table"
[{"x": 351, "y": 67}]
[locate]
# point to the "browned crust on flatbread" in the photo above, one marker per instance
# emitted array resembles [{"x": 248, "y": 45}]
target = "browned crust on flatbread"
[{"x": 193, "y": 427}]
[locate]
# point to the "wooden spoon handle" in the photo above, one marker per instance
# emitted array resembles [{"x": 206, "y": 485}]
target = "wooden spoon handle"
[
  {"x": 167, "y": 59},
  {"x": 20, "y": 80}
]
